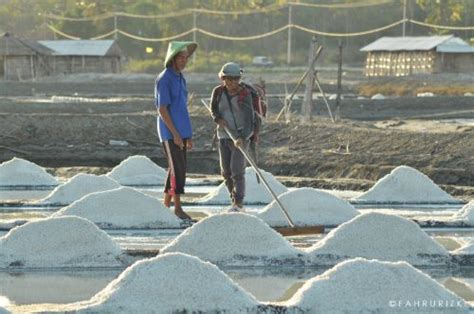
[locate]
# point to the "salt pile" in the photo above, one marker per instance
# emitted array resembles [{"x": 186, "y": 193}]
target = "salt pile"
[
  {"x": 465, "y": 214},
  {"x": 18, "y": 171},
  {"x": 234, "y": 239},
  {"x": 379, "y": 236},
  {"x": 371, "y": 286},
  {"x": 172, "y": 283},
  {"x": 404, "y": 185},
  {"x": 378, "y": 97},
  {"x": 79, "y": 186},
  {"x": 138, "y": 170},
  {"x": 58, "y": 242},
  {"x": 308, "y": 207},
  {"x": 255, "y": 193},
  {"x": 122, "y": 208}
]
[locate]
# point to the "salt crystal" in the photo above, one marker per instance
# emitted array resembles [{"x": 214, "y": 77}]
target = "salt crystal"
[
  {"x": 58, "y": 242},
  {"x": 405, "y": 184},
  {"x": 122, "y": 208},
  {"x": 18, "y": 171},
  {"x": 138, "y": 170},
  {"x": 371, "y": 286},
  {"x": 255, "y": 193},
  {"x": 79, "y": 186},
  {"x": 308, "y": 207}
]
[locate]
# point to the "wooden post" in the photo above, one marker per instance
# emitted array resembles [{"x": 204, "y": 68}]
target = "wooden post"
[
  {"x": 32, "y": 68},
  {"x": 404, "y": 17},
  {"x": 308, "y": 94},
  {"x": 339, "y": 82},
  {"x": 5, "y": 67},
  {"x": 288, "y": 100},
  {"x": 288, "y": 56},
  {"x": 194, "y": 33},
  {"x": 115, "y": 26}
]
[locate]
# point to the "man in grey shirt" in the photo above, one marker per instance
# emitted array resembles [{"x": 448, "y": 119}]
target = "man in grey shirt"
[{"x": 232, "y": 110}]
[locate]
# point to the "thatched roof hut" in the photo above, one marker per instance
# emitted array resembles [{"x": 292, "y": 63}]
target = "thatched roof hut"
[{"x": 22, "y": 59}]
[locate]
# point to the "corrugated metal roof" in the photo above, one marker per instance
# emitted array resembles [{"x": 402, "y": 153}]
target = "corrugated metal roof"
[
  {"x": 409, "y": 43},
  {"x": 78, "y": 47},
  {"x": 455, "y": 45}
]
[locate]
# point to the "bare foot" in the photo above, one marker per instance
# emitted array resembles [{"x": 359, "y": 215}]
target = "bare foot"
[{"x": 181, "y": 214}]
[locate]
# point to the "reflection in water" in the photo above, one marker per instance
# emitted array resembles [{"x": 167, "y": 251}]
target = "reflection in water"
[
  {"x": 266, "y": 284},
  {"x": 22, "y": 195},
  {"x": 272, "y": 284},
  {"x": 53, "y": 286},
  {"x": 462, "y": 289}
]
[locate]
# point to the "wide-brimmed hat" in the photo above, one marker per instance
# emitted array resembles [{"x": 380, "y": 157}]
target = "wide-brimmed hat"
[
  {"x": 231, "y": 69},
  {"x": 175, "y": 47}
]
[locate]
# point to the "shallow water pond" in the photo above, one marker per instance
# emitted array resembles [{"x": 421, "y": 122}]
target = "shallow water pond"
[{"x": 266, "y": 284}]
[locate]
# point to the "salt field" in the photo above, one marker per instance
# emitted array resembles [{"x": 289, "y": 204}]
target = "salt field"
[{"x": 134, "y": 242}]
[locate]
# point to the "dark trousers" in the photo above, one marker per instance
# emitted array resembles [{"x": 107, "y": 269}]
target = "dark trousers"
[
  {"x": 176, "y": 178},
  {"x": 233, "y": 164}
]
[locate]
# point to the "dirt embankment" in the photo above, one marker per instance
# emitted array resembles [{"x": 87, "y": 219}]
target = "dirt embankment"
[{"x": 373, "y": 137}]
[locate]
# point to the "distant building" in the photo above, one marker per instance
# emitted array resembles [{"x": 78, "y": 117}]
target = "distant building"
[
  {"x": 401, "y": 56},
  {"x": 84, "y": 56},
  {"x": 23, "y": 59}
]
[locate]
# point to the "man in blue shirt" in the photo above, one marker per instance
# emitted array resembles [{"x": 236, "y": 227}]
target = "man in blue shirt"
[{"x": 174, "y": 123}]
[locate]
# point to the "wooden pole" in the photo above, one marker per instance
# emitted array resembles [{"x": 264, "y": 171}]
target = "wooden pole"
[
  {"x": 288, "y": 56},
  {"x": 115, "y": 26},
  {"x": 339, "y": 82},
  {"x": 32, "y": 67},
  {"x": 287, "y": 104},
  {"x": 404, "y": 17},
  {"x": 257, "y": 170},
  {"x": 308, "y": 95},
  {"x": 323, "y": 96},
  {"x": 194, "y": 33}
]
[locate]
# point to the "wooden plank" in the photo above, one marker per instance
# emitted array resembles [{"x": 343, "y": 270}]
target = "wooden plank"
[{"x": 288, "y": 231}]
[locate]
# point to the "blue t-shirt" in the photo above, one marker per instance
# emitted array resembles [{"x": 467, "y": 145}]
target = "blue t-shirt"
[{"x": 170, "y": 91}]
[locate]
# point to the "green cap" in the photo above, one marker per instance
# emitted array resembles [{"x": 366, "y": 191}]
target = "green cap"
[
  {"x": 175, "y": 47},
  {"x": 230, "y": 69}
]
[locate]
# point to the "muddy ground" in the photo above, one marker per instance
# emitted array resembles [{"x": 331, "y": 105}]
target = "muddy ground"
[{"x": 39, "y": 122}]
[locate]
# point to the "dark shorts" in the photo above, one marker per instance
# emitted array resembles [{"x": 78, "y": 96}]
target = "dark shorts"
[{"x": 176, "y": 178}]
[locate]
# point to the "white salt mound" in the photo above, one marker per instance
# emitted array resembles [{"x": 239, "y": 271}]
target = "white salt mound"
[
  {"x": 138, "y": 170},
  {"x": 172, "y": 283},
  {"x": 371, "y": 286},
  {"x": 18, "y": 171},
  {"x": 378, "y": 96},
  {"x": 58, "y": 242},
  {"x": 79, "y": 186},
  {"x": 426, "y": 94},
  {"x": 255, "y": 193},
  {"x": 379, "y": 236},
  {"x": 122, "y": 208},
  {"x": 308, "y": 207},
  {"x": 226, "y": 239},
  {"x": 405, "y": 184},
  {"x": 466, "y": 213}
]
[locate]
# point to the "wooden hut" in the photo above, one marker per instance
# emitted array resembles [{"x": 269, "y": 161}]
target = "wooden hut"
[
  {"x": 84, "y": 56},
  {"x": 22, "y": 59},
  {"x": 401, "y": 56}
]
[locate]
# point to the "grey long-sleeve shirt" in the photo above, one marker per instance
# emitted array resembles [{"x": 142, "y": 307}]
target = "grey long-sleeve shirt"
[{"x": 243, "y": 113}]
